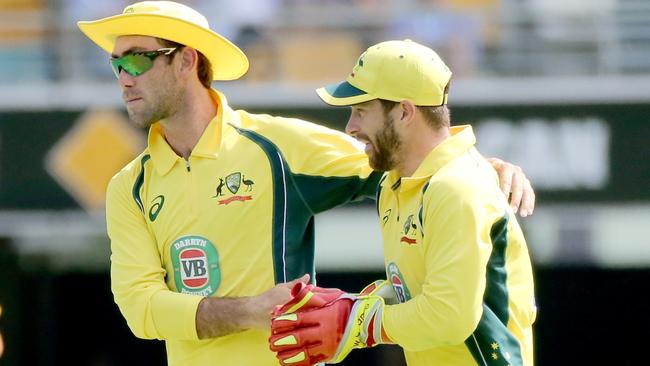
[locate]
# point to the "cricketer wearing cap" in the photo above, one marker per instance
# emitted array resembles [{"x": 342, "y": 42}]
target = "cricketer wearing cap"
[
  {"x": 455, "y": 256},
  {"x": 209, "y": 223}
]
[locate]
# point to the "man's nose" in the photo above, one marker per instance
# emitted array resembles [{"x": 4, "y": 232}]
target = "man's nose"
[
  {"x": 124, "y": 79},
  {"x": 352, "y": 127}
]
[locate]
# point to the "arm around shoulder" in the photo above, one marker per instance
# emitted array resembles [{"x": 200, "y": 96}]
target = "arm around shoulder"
[{"x": 328, "y": 167}]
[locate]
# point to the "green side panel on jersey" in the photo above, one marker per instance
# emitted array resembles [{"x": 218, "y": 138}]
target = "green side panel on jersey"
[
  {"x": 293, "y": 222},
  {"x": 492, "y": 343},
  {"x": 496, "y": 289},
  {"x": 139, "y": 181}
]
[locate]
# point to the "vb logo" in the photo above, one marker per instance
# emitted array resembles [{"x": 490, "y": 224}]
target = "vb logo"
[
  {"x": 196, "y": 265},
  {"x": 195, "y": 268}
]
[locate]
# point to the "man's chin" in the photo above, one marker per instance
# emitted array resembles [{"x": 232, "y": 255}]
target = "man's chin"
[
  {"x": 382, "y": 164},
  {"x": 378, "y": 166},
  {"x": 139, "y": 122}
]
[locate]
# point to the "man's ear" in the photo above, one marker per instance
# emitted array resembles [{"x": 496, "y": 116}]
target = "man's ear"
[
  {"x": 408, "y": 110},
  {"x": 189, "y": 59}
]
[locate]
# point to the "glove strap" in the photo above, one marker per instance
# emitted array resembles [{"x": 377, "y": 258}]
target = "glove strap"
[
  {"x": 383, "y": 289},
  {"x": 363, "y": 328}
]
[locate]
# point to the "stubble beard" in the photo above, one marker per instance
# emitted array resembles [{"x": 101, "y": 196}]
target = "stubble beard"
[
  {"x": 163, "y": 103},
  {"x": 385, "y": 148},
  {"x": 150, "y": 115},
  {"x": 142, "y": 118}
]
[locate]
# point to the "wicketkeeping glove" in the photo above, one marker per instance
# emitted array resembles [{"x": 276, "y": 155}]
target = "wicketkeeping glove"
[{"x": 325, "y": 325}]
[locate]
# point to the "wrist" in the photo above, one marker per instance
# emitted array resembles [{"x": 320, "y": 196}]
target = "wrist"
[
  {"x": 218, "y": 317},
  {"x": 252, "y": 315}
]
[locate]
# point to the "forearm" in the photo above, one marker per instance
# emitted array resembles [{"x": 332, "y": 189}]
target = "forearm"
[
  {"x": 421, "y": 324},
  {"x": 217, "y": 317}
]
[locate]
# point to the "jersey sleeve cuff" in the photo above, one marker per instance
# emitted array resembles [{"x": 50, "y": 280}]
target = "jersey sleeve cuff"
[{"x": 174, "y": 315}]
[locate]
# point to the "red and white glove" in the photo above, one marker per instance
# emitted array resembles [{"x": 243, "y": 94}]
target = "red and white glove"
[{"x": 325, "y": 325}]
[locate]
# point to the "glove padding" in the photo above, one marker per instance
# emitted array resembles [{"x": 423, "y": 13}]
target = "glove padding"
[
  {"x": 304, "y": 297},
  {"x": 383, "y": 289},
  {"x": 325, "y": 325}
]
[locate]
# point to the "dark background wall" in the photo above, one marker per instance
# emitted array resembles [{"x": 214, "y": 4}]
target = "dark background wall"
[
  {"x": 28, "y": 136},
  {"x": 587, "y": 316}
]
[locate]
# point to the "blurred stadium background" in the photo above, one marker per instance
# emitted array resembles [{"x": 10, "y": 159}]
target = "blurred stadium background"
[{"x": 561, "y": 88}]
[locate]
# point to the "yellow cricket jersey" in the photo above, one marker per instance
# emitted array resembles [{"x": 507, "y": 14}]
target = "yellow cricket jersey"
[
  {"x": 233, "y": 220},
  {"x": 458, "y": 261}
]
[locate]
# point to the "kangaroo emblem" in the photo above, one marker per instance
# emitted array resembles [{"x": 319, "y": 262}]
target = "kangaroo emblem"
[{"x": 219, "y": 188}]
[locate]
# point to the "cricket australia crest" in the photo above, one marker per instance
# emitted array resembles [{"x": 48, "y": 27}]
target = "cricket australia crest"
[
  {"x": 233, "y": 181},
  {"x": 410, "y": 231}
]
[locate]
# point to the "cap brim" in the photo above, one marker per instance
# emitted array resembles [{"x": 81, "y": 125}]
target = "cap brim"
[
  {"x": 228, "y": 61},
  {"x": 343, "y": 94}
]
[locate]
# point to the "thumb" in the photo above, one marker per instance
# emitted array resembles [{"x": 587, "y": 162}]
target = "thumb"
[{"x": 304, "y": 279}]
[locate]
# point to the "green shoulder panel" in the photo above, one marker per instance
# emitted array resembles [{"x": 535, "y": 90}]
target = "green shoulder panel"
[{"x": 139, "y": 181}]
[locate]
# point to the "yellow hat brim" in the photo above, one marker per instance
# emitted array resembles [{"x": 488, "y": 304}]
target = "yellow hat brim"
[
  {"x": 343, "y": 94},
  {"x": 228, "y": 61}
]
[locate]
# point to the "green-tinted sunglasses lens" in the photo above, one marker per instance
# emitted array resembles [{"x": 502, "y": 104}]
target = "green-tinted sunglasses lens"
[{"x": 134, "y": 64}]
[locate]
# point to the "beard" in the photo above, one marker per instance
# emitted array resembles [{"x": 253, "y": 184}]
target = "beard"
[
  {"x": 147, "y": 115},
  {"x": 385, "y": 148},
  {"x": 162, "y": 102}
]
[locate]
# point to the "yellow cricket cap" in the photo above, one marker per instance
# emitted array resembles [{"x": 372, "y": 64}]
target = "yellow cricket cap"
[
  {"x": 393, "y": 70},
  {"x": 171, "y": 21}
]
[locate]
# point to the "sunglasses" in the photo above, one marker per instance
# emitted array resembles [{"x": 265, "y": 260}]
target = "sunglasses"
[{"x": 137, "y": 63}]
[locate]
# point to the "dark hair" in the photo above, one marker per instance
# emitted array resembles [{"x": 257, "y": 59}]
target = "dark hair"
[
  {"x": 203, "y": 67},
  {"x": 437, "y": 116}
]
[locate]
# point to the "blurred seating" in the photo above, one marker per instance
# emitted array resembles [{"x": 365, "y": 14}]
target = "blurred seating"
[
  {"x": 631, "y": 39},
  {"x": 23, "y": 33},
  {"x": 318, "y": 57},
  {"x": 575, "y": 36},
  {"x": 40, "y": 41},
  {"x": 262, "y": 51},
  {"x": 20, "y": 4},
  {"x": 459, "y": 30}
]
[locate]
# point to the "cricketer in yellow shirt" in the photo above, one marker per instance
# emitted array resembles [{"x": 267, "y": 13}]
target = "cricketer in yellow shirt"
[
  {"x": 458, "y": 262},
  {"x": 459, "y": 287},
  {"x": 233, "y": 221}
]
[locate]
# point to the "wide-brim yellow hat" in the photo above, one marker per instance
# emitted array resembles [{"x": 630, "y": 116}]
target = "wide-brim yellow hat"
[
  {"x": 396, "y": 71},
  {"x": 175, "y": 22}
]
